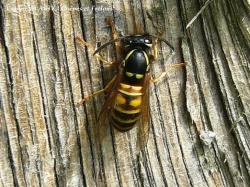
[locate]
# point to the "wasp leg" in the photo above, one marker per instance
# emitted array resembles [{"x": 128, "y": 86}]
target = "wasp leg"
[
  {"x": 163, "y": 74},
  {"x": 155, "y": 50},
  {"x": 110, "y": 22},
  {"x": 115, "y": 35},
  {"x": 98, "y": 57},
  {"x": 159, "y": 77},
  {"x": 96, "y": 93}
]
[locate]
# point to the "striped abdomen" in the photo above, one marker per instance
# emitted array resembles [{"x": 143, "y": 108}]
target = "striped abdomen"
[{"x": 127, "y": 108}]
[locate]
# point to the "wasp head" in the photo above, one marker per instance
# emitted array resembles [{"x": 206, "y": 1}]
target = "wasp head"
[{"x": 133, "y": 41}]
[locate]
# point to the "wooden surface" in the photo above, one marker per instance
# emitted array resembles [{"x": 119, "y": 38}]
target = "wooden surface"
[{"x": 200, "y": 124}]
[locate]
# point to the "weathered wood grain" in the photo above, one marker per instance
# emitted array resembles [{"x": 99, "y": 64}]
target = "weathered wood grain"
[{"x": 200, "y": 130}]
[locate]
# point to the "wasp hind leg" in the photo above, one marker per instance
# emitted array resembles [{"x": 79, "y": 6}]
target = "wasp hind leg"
[
  {"x": 106, "y": 88},
  {"x": 98, "y": 57}
]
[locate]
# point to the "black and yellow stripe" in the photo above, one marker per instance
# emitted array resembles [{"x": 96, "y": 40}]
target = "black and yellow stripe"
[{"x": 127, "y": 107}]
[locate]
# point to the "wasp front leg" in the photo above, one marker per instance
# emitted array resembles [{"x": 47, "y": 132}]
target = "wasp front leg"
[
  {"x": 163, "y": 74},
  {"x": 154, "y": 56},
  {"x": 115, "y": 35},
  {"x": 97, "y": 56},
  {"x": 155, "y": 50}
]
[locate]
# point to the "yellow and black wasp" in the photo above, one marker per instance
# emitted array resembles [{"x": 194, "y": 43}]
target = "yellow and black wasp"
[{"x": 127, "y": 101}]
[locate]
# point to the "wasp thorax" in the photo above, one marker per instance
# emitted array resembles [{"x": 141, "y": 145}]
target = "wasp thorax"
[{"x": 136, "y": 64}]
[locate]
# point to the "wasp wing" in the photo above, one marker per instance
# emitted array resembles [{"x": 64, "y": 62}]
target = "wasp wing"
[
  {"x": 143, "y": 125},
  {"x": 103, "y": 119}
]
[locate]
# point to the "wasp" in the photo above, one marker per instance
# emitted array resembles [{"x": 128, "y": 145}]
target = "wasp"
[{"x": 127, "y": 102}]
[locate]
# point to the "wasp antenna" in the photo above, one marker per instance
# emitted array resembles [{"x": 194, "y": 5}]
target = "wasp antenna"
[
  {"x": 165, "y": 41},
  {"x": 169, "y": 45},
  {"x": 200, "y": 11},
  {"x": 106, "y": 44}
]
